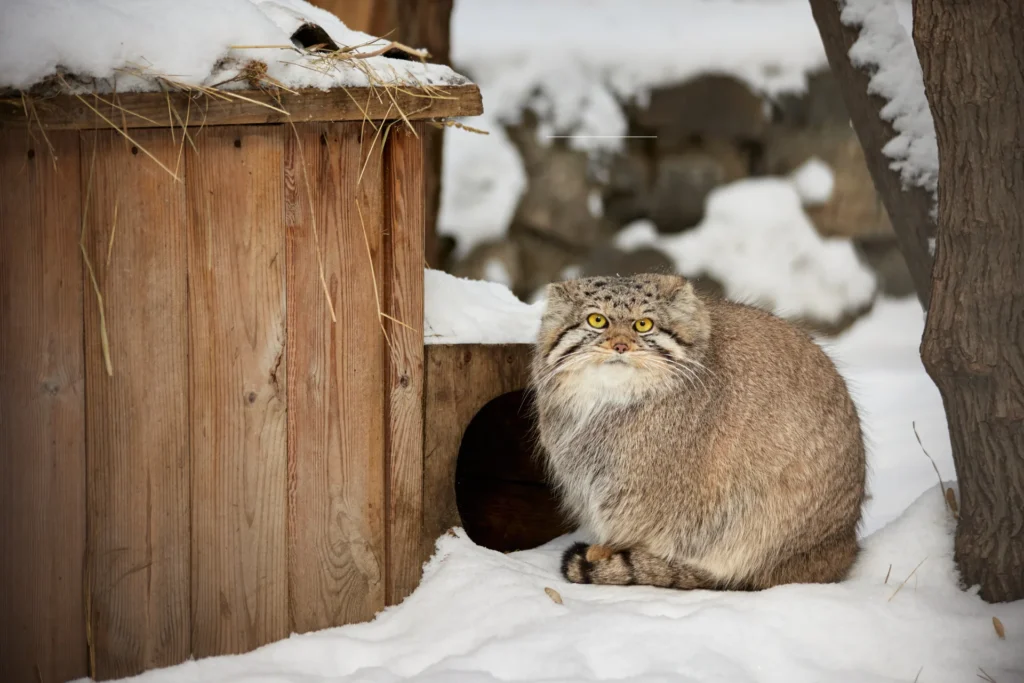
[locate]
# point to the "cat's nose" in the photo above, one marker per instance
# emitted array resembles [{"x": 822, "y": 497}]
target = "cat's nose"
[{"x": 620, "y": 348}]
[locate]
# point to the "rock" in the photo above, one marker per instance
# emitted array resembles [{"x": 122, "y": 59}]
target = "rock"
[
  {"x": 610, "y": 261},
  {"x": 820, "y": 106},
  {"x": 626, "y": 197},
  {"x": 817, "y": 125},
  {"x": 557, "y": 199},
  {"x": 684, "y": 180},
  {"x": 708, "y": 106},
  {"x": 884, "y": 257},
  {"x": 541, "y": 261},
  {"x": 492, "y": 261}
]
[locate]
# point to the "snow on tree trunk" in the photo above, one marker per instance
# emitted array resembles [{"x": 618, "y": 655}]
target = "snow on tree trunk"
[
  {"x": 873, "y": 102},
  {"x": 971, "y": 55}
]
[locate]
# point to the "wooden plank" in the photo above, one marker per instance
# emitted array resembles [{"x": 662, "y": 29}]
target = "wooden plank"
[
  {"x": 237, "y": 396},
  {"x": 137, "y": 428},
  {"x": 336, "y": 378},
  {"x": 459, "y": 380},
  {"x": 150, "y": 110},
  {"x": 403, "y": 210},
  {"x": 42, "y": 412}
]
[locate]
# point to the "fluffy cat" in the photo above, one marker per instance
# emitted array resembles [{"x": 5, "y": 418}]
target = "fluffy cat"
[{"x": 698, "y": 443}]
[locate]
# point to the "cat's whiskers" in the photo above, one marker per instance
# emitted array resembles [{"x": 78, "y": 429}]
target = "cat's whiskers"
[{"x": 675, "y": 371}]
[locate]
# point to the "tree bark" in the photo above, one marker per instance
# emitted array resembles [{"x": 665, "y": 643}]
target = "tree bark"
[
  {"x": 971, "y": 55},
  {"x": 424, "y": 24},
  {"x": 909, "y": 210}
]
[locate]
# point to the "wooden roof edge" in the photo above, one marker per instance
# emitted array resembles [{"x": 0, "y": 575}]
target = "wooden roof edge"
[{"x": 240, "y": 107}]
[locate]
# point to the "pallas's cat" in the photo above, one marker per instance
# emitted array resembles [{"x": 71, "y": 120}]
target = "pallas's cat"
[{"x": 698, "y": 443}]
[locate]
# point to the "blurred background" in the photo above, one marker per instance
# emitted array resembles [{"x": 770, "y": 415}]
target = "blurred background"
[{"x": 705, "y": 137}]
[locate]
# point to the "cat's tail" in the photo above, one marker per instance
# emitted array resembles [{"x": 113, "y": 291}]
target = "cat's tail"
[{"x": 600, "y": 564}]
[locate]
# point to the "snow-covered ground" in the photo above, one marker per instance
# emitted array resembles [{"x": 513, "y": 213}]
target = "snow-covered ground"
[{"x": 480, "y": 616}]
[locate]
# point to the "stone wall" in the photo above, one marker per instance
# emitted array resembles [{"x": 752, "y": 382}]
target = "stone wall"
[{"x": 691, "y": 138}]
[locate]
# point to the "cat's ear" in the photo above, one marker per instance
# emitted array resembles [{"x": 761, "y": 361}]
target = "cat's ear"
[
  {"x": 558, "y": 291},
  {"x": 673, "y": 286}
]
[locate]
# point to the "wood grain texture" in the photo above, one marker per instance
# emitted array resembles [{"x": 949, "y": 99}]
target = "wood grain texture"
[
  {"x": 137, "y": 427},
  {"x": 42, "y": 412},
  {"x": 336, "y": 374},
  {"x": 150, "y": 110},
  {"x": 459, "y": 380},
  {"x": 403, "y": 211},
  {"x": 973, "y": 347},
  {"x": 237, "y": 411}
]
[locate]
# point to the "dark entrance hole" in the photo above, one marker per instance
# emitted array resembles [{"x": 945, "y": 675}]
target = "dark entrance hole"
[{"x": 500, "y": 489}]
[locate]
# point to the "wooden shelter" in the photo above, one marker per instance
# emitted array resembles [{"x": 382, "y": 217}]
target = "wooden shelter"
[{"x": 211, "y": 385}]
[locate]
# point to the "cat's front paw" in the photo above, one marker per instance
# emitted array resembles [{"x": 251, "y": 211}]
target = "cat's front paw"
[
  {"x": 579, "y": 559},
  {"x": 575, "y": 565}
]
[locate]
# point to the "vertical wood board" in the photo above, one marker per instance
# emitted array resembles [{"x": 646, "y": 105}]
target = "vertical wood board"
[
  {"x": 336, "y": 374},
  {"x": 403, "y": 181},
  {"x": 42, "y": 411},
  {"x": 237, "y": 408},
  {"x": 137, "y": 427}
]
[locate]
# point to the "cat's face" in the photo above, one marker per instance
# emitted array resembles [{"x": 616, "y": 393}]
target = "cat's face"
[{"x": 621, "y": 334}]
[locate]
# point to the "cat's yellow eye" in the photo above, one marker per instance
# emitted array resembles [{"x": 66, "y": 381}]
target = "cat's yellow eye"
[
  {"x": 643, "y": 325},
  {"x": 597, "y": 321}
]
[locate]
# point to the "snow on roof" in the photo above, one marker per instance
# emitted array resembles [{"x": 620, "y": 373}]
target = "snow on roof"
[{"x": 125, "y": 44}]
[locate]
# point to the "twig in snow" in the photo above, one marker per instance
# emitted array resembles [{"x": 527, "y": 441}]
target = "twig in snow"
[
  {"x": 906, "y": 579},
  {"x": 947, "y": 494}
]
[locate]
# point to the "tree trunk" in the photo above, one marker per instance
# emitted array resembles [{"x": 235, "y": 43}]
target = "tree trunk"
[
  {"x": 422, "y": 24},
  {"x": 971, "y": 55},
  {"x": 910, "y": 209}
]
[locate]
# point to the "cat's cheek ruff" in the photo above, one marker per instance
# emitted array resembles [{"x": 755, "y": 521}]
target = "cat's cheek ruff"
[
  {"x": 569, "y": 342},
  {"x": 668, "y": 342}
]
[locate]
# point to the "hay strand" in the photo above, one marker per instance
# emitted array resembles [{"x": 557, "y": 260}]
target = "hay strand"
[
  {"x": 113, "y": 230},
  {"x": 128, "y": 137},
  {"x": 373, "y": 276},
  {"x": 104, "y": 339},
  {"x": 312, "y": 221},
  {"x": 904, "y": 582},
  {"x": 947, "y": 493}
]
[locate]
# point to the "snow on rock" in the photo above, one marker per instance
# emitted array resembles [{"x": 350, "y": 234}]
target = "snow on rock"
[
  {"x": 462, "y": 311},
  {"x": 757, "y": 241},
  {"x": 481, "y": 616},
  {"x": 573, "y": 61},
  {"x": 193, "y": 42},
  {"x": 813, "y": 181},
  {"x": 886, "y": 49}
]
